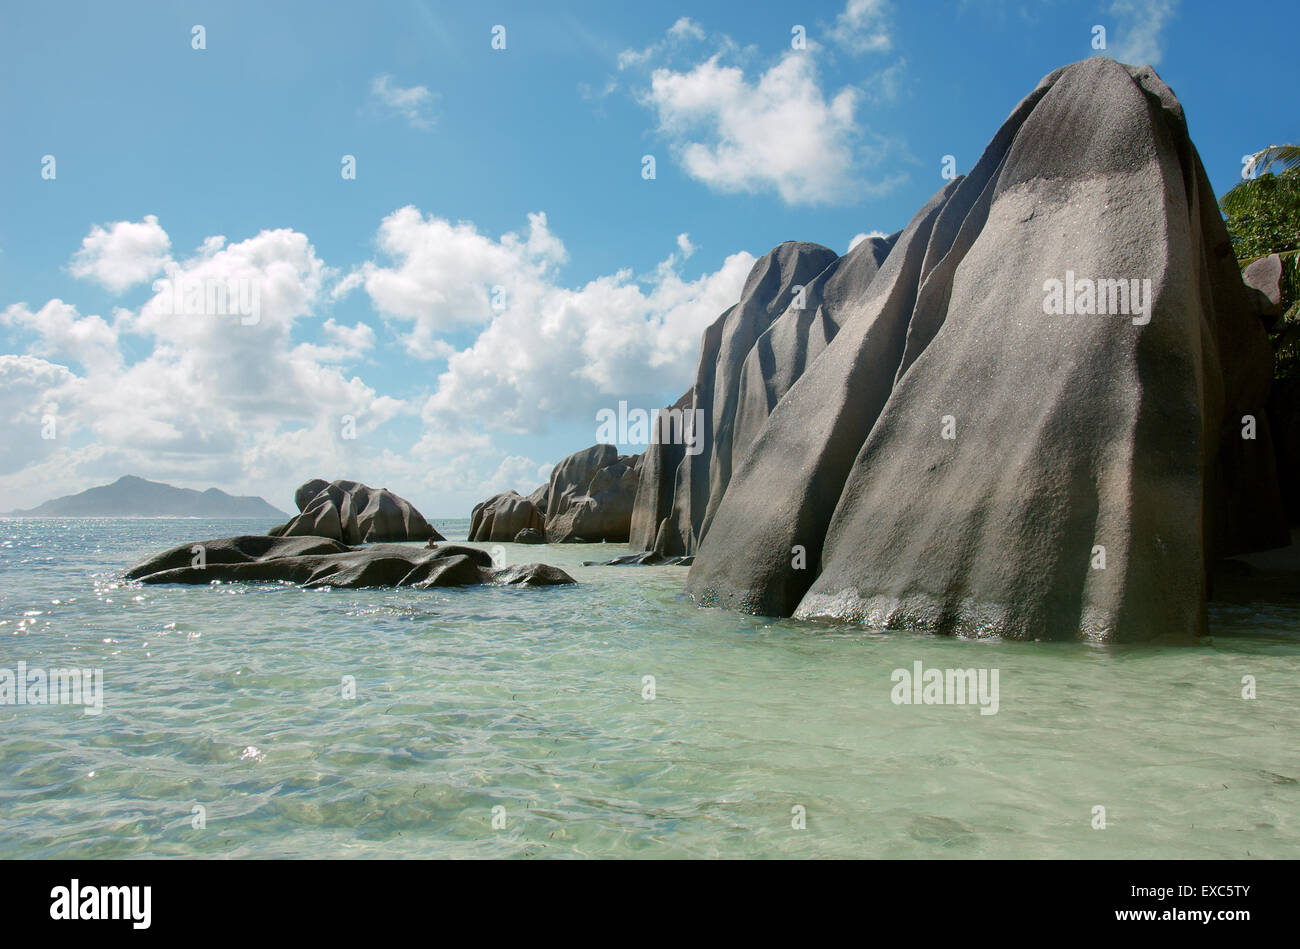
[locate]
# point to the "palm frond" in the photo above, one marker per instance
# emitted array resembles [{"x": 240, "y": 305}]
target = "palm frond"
[{"x": 1288, "y": 156}]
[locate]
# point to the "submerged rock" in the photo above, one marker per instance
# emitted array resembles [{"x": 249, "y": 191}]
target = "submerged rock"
[
  {"x": 354, "y": 513},
  {"x": 531, "y": 575},
  {"x": 648, "y": 558},
  {"x": 319, "y": 562}
]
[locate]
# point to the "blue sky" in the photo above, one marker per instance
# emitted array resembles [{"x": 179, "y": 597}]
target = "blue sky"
[{"x": 499, "y": 269}]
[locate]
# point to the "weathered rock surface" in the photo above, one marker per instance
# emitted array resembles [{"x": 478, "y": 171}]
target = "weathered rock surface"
[
  {"x": 647, "y": 558},
  {"x": 944, "y": 454},
  {"x": 320, "y": 562},
  {"x": 530, "y": 535},
  {"x": 793, "y": 303},
  {"x": 591, "y": 495},
  {"x": 1265, "y": 276},
  {"x": 588, "y": 499},
  {"x": 531, "y": 575},
  {"x": 503, "y": 516},
  {"x": 354, "y": 513}
]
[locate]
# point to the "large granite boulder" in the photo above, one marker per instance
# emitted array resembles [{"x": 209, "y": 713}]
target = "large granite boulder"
[
  {"x": 969, "y": 454},
  {"x": 1265, "y": 277},
  {"x": 591, "y": 496},
  {"x": 503, "y": 516},
  {"x": 588, "y": 499},
  {"x": 320, "y": 562},
  {"x": 307, "y": 492},
  {"x": 793, "y": 303},
  {"x": 354, "y": 513}
]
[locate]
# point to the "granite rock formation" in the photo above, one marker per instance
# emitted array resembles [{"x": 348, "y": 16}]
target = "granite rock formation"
[
  {"x": 945, "y": 444},
  {"x": 792, "y": 305},
  {"x": 321, "y": 562},
  {"x": 354, "y": 513},
  {"x": 588, "y": 499}
]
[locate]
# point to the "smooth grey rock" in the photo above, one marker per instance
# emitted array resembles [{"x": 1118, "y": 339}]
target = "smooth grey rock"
[
  {"x": 1072, "y": 432},
  {"x": 647, "y": 558},
  {"x": 228, "y": 550},
  {"x": 591, "y": 496},
  {"x": 318, "y": 562},
  {"x": 780, "y": 502},
  {"x": 540, "y": 498},
  {"x": 307, "y": 492},
  {"x": 530, "y": 535},
  {"x": 796, "y": 338},
  {"x": 320, "y": 519},
  {"x": 354, "y": 513},
  {"x": 680, "y": 488},
  {"x": 502, "y": 516},
  {"x": 1265, "y": 275},
  {"x": 531, "y": 575},
  {"x": 480, "y": 557}
]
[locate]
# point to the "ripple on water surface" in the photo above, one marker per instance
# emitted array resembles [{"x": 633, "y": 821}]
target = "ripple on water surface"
[{"x": 231, "y": 698}]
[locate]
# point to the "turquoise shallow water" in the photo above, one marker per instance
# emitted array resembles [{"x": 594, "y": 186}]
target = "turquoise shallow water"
[{"x": 230, "y": 698}]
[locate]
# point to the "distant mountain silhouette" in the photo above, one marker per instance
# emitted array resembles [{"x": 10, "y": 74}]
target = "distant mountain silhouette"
[{"x": 130, "y": 496}]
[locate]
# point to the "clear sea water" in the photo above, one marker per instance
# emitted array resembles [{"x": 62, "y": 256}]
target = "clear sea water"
[{"x": 230, "y": 698}]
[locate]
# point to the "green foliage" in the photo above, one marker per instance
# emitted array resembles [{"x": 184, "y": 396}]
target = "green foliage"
[
  {"x": 1288, "y": 156},
  {"x": 1263, "y": 214},
  {"x": 1263, "y": 217}
]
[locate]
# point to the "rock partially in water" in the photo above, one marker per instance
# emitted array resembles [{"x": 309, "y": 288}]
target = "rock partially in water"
[
  {"x": 354, "y": 513},
  {"x": 588, "y": 499},
  {"x": 966, "y": 455},
  {"x": 531, "y": 575},
  {"x": 647, "y": 558},
  {"x": 792, "y": 304},
  {"x": 320, "y": 562},
  {"x": 503, "y": 517}
]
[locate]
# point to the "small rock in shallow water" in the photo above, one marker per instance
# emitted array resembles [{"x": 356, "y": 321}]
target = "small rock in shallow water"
[
  {"x": 531, "y": 575},
  {"x": 321, "y": 562},
  {"x": 647, "y": 558}
]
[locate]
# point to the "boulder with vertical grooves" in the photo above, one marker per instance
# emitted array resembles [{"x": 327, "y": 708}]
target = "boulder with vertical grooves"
[{"x": 967, "y": 457}]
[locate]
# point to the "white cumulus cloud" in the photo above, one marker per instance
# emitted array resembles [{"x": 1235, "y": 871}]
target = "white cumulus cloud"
[
  {"x": 740, "y": 127},
  {"x": 779, "y": 132},
  {"x": 122, "y": 254},
  {"x": 445, "y": 275},
  {"x": 544, "y": 349},
  {"x": 258, "y": 406}
]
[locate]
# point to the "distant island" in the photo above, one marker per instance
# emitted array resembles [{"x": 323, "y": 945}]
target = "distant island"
[{"x": 130, "y": 496}]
